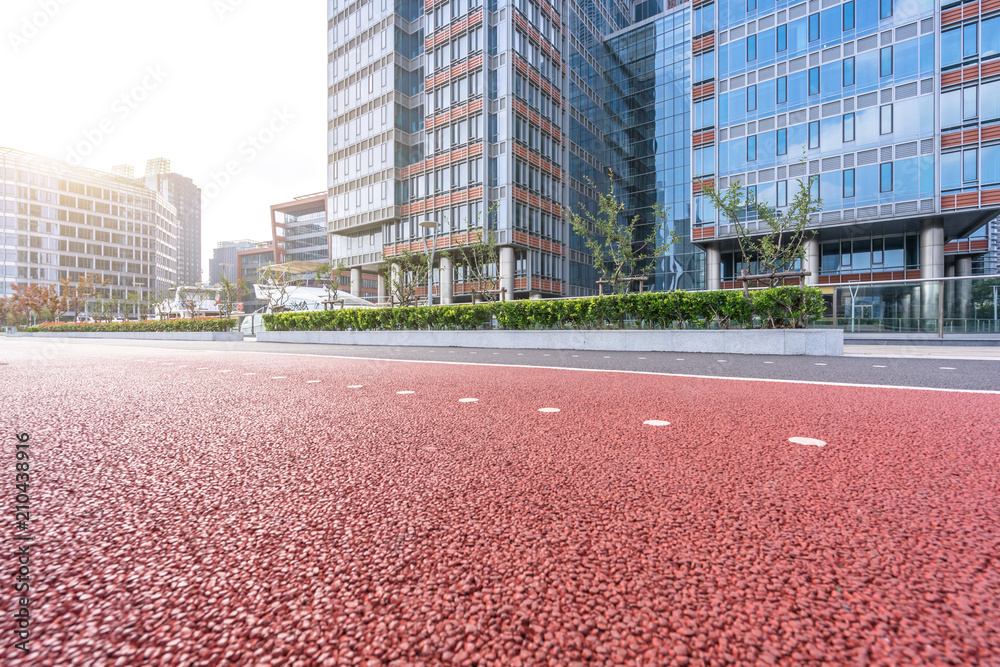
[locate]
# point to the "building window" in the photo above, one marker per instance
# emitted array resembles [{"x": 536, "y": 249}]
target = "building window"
[
  {"x": 848, "y": 127},
  {"x": 751, "y": 5},
  {"x": 849, "y": 71},
  {"x": 814, "y": 81},
  {"x": 751, "y": 48},
  {"x": 781, "y": 140},
  {"x": 848, "y": 183},
  {"x": 752, "y": 98},
  {"x": 970, "y": 162},
  {"x": 848, "y": 12},
  {"x": 885, "y": 177},
  {"x": 781, "y": 192},
  {"x": 814, "y": 134},
  {"x": 813, "y": 27},
  {"x": 781, "y": 37},
  {"x": 885, "y": 61},
  {"x": 751, "y": 148},
  {"x": 781, "y": 90},
  {"x": 885, "y": 119},
  {"x": 884, "y": 9}
]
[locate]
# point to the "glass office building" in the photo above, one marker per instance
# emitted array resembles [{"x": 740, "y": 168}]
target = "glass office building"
[{"x": 521, "y": 108}]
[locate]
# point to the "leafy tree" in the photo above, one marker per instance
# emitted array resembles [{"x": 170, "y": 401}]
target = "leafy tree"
[
  {"x": 193, "y": 296},
  {"x": 328, "y": 276},
  {"x": 279, "y": 286},
  {"x": 405, "y": 273},
  {"x": 481, "y": 262},
  {"x": 614, "y": 242},
  {"x": 78, "y": 294},
  {"x": 230, "y": 294},
  {"x": 780, "y": 245}
]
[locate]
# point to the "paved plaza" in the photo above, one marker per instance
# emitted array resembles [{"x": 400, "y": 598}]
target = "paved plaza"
[{"x": 295, "y": 505}]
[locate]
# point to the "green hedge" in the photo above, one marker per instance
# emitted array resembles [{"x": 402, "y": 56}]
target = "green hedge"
[
  {"x": 213, "y": 324},
  {"x": 781, "y": 307}
]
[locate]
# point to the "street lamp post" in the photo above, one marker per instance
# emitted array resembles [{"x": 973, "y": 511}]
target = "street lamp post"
[{"x": 430, "y": 225}]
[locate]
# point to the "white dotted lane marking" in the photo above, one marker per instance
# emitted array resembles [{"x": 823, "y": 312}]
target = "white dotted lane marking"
[
  {"x": 225, "y": 371},
  {"x": 468, "y": 400},
  {"x": 520, "y": 354},
  {"x": 473, "y": 353},
  {"x": 546, "y": 355},
  {"x": 403, "y": 393},
  {"x": 607, "y": 357},
  {"x": 880, "y": 367},
  {"x": 642, "y": 358},
  {"x": 812, "y": 442},
  {"x": 451, "y": 352},
  {"x": 820, "y": 364},
  {"x": 355, "y": 386},
  {"x": 678, "y": 360},
  {"x": 203, "y": 368},
  {"x": 280, "y": 377},
  {"x": 722, "y": 361},
  {"x": 496, "y": 353},
  {"x": 312, "y": 381},
  {"x": 548, "y": 409},
  {"x": 576, "y": 355},
  {"x": 655, "y": 422},
  {"x": 768, "y": 362},
  {"x": 249, "y": 374},
  {"x": 182, "y": 367},
  {"x": 948, "y": 368}
]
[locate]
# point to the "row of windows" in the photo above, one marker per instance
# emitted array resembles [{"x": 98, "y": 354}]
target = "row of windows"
[
  {"x": 963, "y": 43},
  {"x": 458, "y": 175},
  {"x": 975, "y": 103},
  {"x": 537, "y": 139},
  {"x": 458, "y": 49},
  {"x": 449, "y": 11},
  {"x": 457, "y": 134},
  {"x": 533, "y": 54},
  {"x": 535, "y": 97},
  {"x": 534, "y": 179},
  {"x": 971, "y": 167},
  {"x": 537, "y": 222},
  {"x": 459, "y": 91},
  {"x": 455, "y": 220}
]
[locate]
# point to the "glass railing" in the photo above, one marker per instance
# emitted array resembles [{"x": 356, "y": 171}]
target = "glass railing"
[{"x": 967, "y": 305}]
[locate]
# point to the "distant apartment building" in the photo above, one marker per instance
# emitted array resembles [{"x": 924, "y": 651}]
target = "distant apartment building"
[
  {"x": 223, "y": 260},
  {"x": 445, "y": 111},
  {"x": 63, "y": 221},
  {"x": 186, "y": 198},
  {"x": 298, "y": 229}
]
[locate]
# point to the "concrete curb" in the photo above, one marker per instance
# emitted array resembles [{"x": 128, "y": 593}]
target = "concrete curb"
[
  {"x": 214, "y": 336},
  {"x": 810, "y": 342}
]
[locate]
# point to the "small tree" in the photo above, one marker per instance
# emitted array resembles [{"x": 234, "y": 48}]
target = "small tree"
[
  {"x": 405, "y": 273},
  {"x": 328, "y": 276},
  {"x": 614, "y": 242},
  {"x": 78, "y": 294},
  {"x": 780, "y": 245},
  {"x": 193, "y": 296},
  {"x": 278, "y": 284},
  {"x": 230, "y": 294},
  {"x": 481, "y": 262}
]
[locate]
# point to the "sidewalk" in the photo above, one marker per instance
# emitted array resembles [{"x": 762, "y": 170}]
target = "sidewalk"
[{"x": 984, "y": 353}]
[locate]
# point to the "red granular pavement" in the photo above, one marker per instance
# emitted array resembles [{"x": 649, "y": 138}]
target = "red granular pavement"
[{"x": 189, "y": 516}]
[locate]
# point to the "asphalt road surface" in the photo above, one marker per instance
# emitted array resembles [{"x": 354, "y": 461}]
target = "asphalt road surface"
[{"x": 263, "y": 504}]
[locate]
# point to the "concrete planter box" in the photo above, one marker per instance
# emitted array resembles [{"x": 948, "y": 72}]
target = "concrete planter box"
[
  {"x": 227, "y": 336},
  {"x": 813, "y": 342}
]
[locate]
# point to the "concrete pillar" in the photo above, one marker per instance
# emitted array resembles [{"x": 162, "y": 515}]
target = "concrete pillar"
[
  {"x": 507, "y": 267},
  {"x": 383, "y": 295},
  {"x": 447, "y": 278},
  {"x": 394, "y": 279},
  {"x": 713, "y": 266},
  {"x": 963, "y": 289},
  {"x": 812, "y": 259},
  {"x": 356, "y": 281},
  {"x": 931, "y": 266},
  {"x": 949, "y": 289}
]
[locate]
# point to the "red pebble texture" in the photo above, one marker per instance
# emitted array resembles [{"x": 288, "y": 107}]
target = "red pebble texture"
[{"x": 194, "y": 517}]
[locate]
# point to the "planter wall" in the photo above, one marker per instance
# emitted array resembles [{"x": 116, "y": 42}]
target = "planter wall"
[
  {"x": 813, "y": 342},
  {"x": 152, "y": 335}
]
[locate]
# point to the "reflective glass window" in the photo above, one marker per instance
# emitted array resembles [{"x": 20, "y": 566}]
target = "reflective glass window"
[
  {"x": 814, "y": 81},
  {"x": 991, "y": 37},
  {"x": 813, "y": 27},
  {"x": 951, "y": 47},
  {"x": 781, "y": 194},
  {"x": 848, "y": 15},
  {"x": 951, "y": 171},
  {"x": 781, "y": 141},
  {"x": 751, "y": 5},
  {"x": 751, "y": 148},
  {"x": 849, "y": 71},
  {"x": 885, "y": 177},
  {"x": 951, "y": 108},
  {"x": 991, "y": 165},
  {"x": 970, "y": 164},
  {"x": 970, "y": 40},
  {"x": 781, "y": 90},
  {"x": 848, "y": 183},
  {"x": 884, "y": 9},
  {"x": 885, "y": 119},
  {"x": 970, "y": 103},
  {"x": 751, "y": 48},
  {"x": 781, "y": 38},
  {"x": 814, "y": 134},
  {"x": 848, "y": 127},
  {"x": 885, "y": 61},
  {"x": 751, "y": 98},
  {"x": 990, "y": 104}
]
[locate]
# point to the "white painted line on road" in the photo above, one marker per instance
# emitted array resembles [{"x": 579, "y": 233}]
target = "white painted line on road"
[
  {"x": 249, "y": 374},
  {"x": 355, "y": 386},
  {"x": 768, "y": 362},
  {"x": 312, "y": 381},
  {"x": 280, "y": 377},
  {"x": 404, "y": 393},
  {"x": 548, "y": 409},
  {"x": 520, "y": 354},
  {"x": 182, "y": 367},
  {"x": 948, "y": 368},
  {"x": 642, "y": 358},
  {"x": 468, "y": 400},
  {"x": 880, "y": 366},
  {"x": 655, "y": 422},
  {"x": 546, "y": 355},
  {"x": 473, "y": 353},
  {"x": 576, "y": 355},
  {"x": 496, "y": 353},
  {"x": 722, "y": 361},
  {"x": 203, "y": 368},
  {"x": 607, "y": 357},
  {"x": 812, "y": 442},
  {"x": 225, "y": 371},
  {"x": 678, "y": 360},
  {"x": 451, "y": 351},
  {"x": 820, "y": 364}
]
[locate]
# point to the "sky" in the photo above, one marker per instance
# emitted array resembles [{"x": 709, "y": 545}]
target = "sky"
[{"x": 232, "y": 92}]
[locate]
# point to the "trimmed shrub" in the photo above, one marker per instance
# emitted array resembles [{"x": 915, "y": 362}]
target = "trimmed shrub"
[
  {"x": 211, "y": 324},
  {"x": 781, "y": 307}
]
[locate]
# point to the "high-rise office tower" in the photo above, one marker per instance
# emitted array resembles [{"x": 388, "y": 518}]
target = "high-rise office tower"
[
  {"x": 186, "y": 198},
  {"x": 454, "y": 114}
]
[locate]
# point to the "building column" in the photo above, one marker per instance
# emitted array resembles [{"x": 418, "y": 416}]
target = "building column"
[
  {"x": 507, "y": 268},
  {"x": 963, "y": 288},
  {"x": 382, "y": 290},
  {"x": 356, "y": 281},
  {"x": 949, "y": 289},
  {"x": 447, "y": 279},
  {"x": 931, "y": 266},
  {"x": 812, "y": 260},
  {"x": 713, "y": 266}
]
